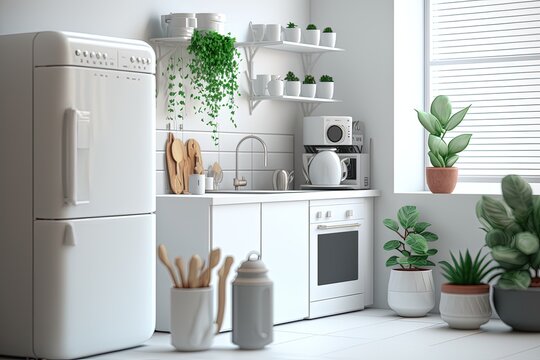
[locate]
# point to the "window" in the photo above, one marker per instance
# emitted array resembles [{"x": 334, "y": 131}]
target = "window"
[{"x": 487, "y": 53}]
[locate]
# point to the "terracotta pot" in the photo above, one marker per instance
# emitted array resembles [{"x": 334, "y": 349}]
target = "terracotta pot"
[
  {"x": 441, "y": 180},
  {"x": 465, "y": 306}
]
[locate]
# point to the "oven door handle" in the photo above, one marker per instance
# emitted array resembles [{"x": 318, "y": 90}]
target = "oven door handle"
[{"x": 331, "y": 227}]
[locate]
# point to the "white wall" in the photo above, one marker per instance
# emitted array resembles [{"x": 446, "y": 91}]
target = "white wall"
[
  {"x": 365, "y": 80},
  {"x": 140, "y": 19}
]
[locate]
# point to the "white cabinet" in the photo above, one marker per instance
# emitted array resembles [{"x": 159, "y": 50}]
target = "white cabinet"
[
  {"x": 236, "y": 230},
  {"x": 284, "y": 237}
]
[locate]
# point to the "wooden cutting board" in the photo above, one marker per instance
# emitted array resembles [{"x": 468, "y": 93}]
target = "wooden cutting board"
[{"x": 195, "y": 157}]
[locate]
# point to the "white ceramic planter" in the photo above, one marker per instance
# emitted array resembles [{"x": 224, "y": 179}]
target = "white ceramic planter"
[
  {"x": 312, "y": 37},
  {"x": 308, "y": 90},
  {"x": 292, "y": 34},
  {"x": 325, "y": 90},
  {"x": 411, "y": 293},
  {"x": 292, "y": 88},
  {"x": 328, "y": 39},
  {"x": 465, "y": 307}
]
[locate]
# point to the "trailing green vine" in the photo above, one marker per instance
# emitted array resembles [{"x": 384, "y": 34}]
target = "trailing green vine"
[
  {"x": 176, "y": 94},
  {"x": 214, "y": 76}
]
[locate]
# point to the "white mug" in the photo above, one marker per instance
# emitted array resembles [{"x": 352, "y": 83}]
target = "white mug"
[
  {"x": 196, "y": 184},
  {"x": 192, "y": 318},
  {"x": 209, "y": 183},
  {"x": 272, "y": 32},
  {"x": 257, "y": 31},
  {"x": 260, "y": 84}
]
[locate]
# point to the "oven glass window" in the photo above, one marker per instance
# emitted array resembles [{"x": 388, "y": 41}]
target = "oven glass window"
[
  {"x": 337, "y": 257},
  {"x": 334, "y": 133}
]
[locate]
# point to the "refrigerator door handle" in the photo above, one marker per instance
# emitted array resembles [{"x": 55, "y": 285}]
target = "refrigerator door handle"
[{"x": 76, "y": 149}]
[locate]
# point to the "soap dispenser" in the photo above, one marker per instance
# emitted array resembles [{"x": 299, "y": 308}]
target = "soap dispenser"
[{"x": 252, "y": 313}]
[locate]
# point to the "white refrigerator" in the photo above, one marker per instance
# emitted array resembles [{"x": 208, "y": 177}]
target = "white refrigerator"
[{"x": 77, "y": 194}]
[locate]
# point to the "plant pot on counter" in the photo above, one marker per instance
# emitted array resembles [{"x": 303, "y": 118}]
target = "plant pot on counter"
[
  {"x": 441, "y": 180},
  {"x": 411, "y": 292},
  {"x": 465, "y": 306},
  {"x": 518, "y": 308}
]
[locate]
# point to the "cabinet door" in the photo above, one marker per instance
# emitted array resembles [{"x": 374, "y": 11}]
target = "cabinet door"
[
  {"x": 285, "y": 232},
  {"x": 236, "y": 230}
]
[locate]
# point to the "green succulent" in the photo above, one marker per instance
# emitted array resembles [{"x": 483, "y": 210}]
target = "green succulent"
[
  {"x": 412, "y": 243},
  {"x": 438, "y": 122},
  {"x": 291, "y": 25},
  {"x": 326, "y": 78},
  {"x": 465, "y": 270},
  {"x": 309, "y": 79},
  {"x": 311, "y": 27},
  {"x": 291, "y": 77},
  {"x": 328, "y": 30},
  {"x": 512, "y": 229}
]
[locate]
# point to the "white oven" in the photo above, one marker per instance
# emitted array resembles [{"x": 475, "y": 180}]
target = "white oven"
[{"x": 338, "y": 259}]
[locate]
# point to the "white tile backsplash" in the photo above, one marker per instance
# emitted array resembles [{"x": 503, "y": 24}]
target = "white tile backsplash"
[
  {"x": 203, "y": 138},
  {"x": 275, "y": 161},
  {"x": 227, "y": 160},
  {"x": 228, "y": 142},
  {"x": 276, "y": 143}
]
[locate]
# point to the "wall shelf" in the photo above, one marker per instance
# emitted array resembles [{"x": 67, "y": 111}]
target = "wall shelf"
[{"x": 308, "y": 104}]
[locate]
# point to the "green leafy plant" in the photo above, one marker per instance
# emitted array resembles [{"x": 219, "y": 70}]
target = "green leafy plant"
[
  {"x": 214, "y": 76},
  {"x": 465, "y": 270},
  {"x": 176, "y": 95},
  {"x": 413, "y": 241},
  {"x": 291, "y": 25},
  {"x": 512, "y": 229},
  {"x": 326, "y": 78},
  {"x": 311, "y": 27},
  {"x": 309, "y": 79},
  {"x": 328, "y": 30},
  {"x": 438, "y": 122},
  {"x": 291, "y": 77}
]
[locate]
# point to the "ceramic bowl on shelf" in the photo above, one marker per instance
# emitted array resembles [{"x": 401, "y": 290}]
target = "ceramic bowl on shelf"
[{"x": 211, "y": 21}]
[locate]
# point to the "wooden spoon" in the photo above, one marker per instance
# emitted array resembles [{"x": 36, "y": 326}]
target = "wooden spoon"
[
  {"x": 162, "y": 252},
  {"x": 178, "y": 156},
  {"x": 222, "y": 273},
  {"x": 180, "y": 266},
  {"x": 213, "y": 261},
  {"x": 194, "y": 267}
]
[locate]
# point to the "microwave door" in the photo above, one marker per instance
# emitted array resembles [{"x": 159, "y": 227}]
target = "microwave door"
[{"x": 94, "y": 152}]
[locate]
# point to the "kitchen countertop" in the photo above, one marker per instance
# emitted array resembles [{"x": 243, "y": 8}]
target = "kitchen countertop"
[{"x": 245, "y": 197}]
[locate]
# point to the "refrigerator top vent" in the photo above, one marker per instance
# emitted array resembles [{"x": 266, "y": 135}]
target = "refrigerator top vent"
[{"x": 55, "y": 48}]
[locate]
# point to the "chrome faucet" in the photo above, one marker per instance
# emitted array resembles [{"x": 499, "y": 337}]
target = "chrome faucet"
[{"x": 237, "y": 182}]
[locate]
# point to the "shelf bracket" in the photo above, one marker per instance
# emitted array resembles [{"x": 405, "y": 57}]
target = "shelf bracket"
[
  {"x": 252, "y": 105},
  {"x": 309, "y": 61},
  {"x": 308, "y": 108}
]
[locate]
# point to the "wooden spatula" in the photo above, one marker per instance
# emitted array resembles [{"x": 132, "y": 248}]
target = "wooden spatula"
[
  {"x": 222, "y": 273},
  {"x": 180, "y": 266},
  {"x": 177, "y": 149},
  {"x": 213, "y": 261},
  {"x": 195, "y": 265},
  {"x": 162, "y": 252},
  {"x": 171, "y": 165}
]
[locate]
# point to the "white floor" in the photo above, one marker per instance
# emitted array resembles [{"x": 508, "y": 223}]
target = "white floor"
[{"x": 368, "y": 334}]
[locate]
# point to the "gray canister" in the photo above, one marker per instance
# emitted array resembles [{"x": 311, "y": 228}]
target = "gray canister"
[{"x": 253, "y": 305}]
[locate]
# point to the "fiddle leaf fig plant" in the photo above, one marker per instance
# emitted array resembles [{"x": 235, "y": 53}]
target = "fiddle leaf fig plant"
[
  {"x": 214, "y": 76},
  {"x": 412, "y": 244},
  {"x": 512, "y": 229},
  {"x": 438, "y": 122}
]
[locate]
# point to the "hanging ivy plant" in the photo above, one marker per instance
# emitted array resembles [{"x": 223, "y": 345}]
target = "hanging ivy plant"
[
  {"x": 214, "y": 76},
  {"x": 175, "y": 88}
]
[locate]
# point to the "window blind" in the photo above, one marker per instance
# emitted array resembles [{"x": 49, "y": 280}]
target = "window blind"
[{"x": 487, "y": 53}]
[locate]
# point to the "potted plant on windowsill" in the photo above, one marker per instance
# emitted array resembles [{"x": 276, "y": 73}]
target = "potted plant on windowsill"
[
  {"x": 465, "y": 298},
  {"x": 328, "y": 37},
  {"x": 312, "y": 35},
  {"x": 292, "y": 32},
  {"x": 292, "y": 84},
  {"x": 512, "y": 233},
  {"x": 442, "y": 177},
  {"x": 410, "y": 288},
  {"x": 325, "y": 89},
  {"x": 309, "y": 86}
]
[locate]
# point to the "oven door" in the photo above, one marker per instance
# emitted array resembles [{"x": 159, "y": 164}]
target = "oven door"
[{"x": 335, "y": 259}]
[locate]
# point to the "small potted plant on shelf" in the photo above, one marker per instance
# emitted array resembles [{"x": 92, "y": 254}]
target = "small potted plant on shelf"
[
  {"x": 312, "y": 35},
  {"x": 309, "y": 87},
  {"x": 442, "y": 177},
  {"x": 410, "y": 288},
  {"x": 292, "y": 84},
  {"x": 512, "y": 231},
  {"x": 325, "y": 89},
  {"x": 292, "y": 32},
  {"x": 328, "y": 37},
  {"x": 465, "y": 298}
]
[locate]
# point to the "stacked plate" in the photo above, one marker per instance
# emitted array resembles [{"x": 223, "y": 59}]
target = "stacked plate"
[
  {"x": 211, "y": 21},
  {"x": 179, "y": 25}
]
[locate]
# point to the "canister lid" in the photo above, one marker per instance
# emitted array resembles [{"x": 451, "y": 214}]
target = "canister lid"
[{"x": 253, "y": 264}]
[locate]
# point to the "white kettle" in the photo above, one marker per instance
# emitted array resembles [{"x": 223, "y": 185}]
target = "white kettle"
[{"x": 325, "y": 168}]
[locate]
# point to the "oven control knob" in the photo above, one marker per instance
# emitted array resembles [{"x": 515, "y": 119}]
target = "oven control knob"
[
  {"x": 349, "y": 213},
  {"x": 318, "y": 215},
  {"x": 328, "y": 214}
]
